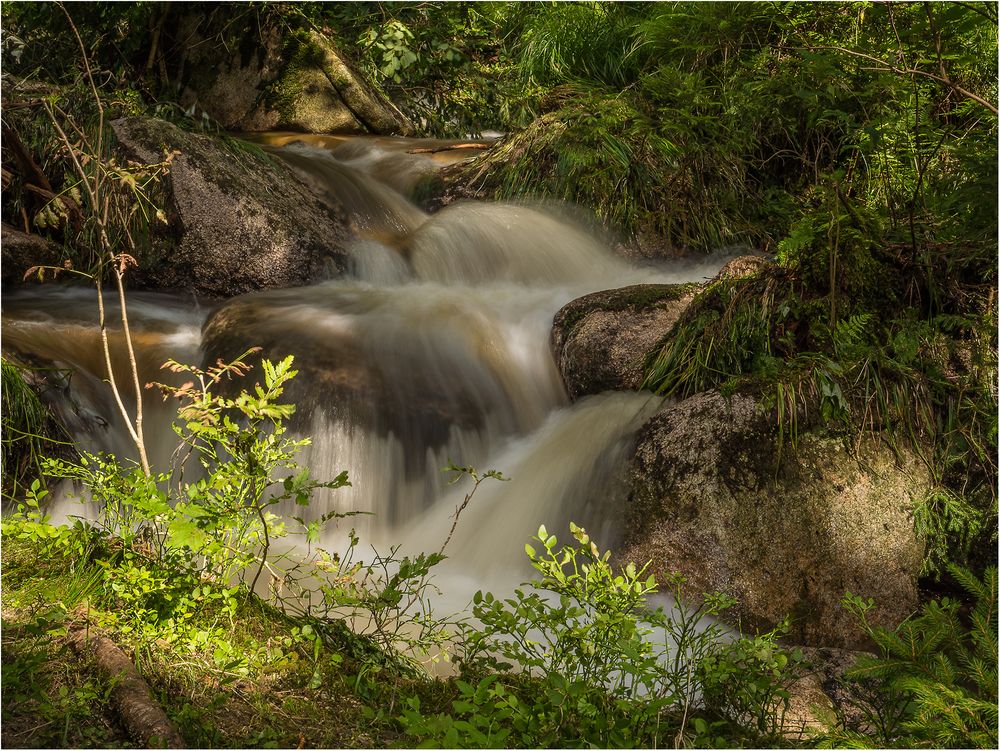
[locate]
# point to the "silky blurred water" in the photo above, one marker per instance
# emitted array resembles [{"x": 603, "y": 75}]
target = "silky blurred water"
[{"x": 434, "y": 348}]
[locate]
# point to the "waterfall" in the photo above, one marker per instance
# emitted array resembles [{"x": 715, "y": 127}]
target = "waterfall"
[{"x": 433, "y": 348}]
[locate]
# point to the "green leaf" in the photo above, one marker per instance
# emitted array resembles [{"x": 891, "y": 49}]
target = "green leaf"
[{"x": 185, "y": 533}]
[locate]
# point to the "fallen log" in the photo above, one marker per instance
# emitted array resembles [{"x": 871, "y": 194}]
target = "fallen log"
[
  {"x": 142, "y": 716},
  {"x": 452, "y": 147}
]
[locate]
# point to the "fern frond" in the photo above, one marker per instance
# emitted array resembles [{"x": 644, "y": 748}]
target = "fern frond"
[{"x": 851, "y": 333}]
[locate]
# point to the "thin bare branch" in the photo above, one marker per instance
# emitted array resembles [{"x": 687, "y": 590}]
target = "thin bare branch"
[
  {"x": 84, "y": 178},
  {"x": 889, "y": 67},
  {"x": 134, "y": 369},
  {"x": 101, "y": 214},
  {"x": 93, "y": 89},
  {"x": 102, "y": 325}
]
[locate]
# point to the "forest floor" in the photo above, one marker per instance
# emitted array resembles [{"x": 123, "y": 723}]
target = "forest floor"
[{"x": 251, "y": 679}]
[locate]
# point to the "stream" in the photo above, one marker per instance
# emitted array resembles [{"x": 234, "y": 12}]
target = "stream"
[{"x": 433, "y": 348}]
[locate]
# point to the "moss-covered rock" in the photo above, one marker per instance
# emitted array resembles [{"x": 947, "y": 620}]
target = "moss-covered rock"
[
  {"x": 600, "y": 340},
  {"x": 712, "y": 499},
  {"x": 742, "y": 267},
  {"x": 237, "y": 220},
  {"x": 282, "y": 76}
]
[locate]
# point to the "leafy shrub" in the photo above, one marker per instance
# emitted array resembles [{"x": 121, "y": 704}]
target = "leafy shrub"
[
  {"x": 175, "y": 544},
  {"x": 584, "y": 661},
  {"x": 221, "y": 524}
]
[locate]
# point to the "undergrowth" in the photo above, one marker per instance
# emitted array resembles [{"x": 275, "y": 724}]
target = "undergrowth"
[
  {"x": 29, "y": 431},
  {"x": 602, "y": 149},
  {"x": 933, "y": 681},
  {"x": 877, "y": 369},
  {"x": 248, "y": 647}
]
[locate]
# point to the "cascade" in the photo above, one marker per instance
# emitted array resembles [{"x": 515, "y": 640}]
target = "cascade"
[{"x": 432, "y": 348}]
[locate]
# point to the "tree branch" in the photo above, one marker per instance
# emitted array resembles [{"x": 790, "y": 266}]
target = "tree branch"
[
  {"x": 911, "y": 71},
  {"x": 93, "y": 185},
  {"x": 979, "y": 10}
]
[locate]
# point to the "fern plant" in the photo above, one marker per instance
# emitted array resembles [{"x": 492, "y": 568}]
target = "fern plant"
[{"x": 936, "y": 674}]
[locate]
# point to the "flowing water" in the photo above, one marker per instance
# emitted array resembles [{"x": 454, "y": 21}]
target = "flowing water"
[{"x": 434, "y": 348}]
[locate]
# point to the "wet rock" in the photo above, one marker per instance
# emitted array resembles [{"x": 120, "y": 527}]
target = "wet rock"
[
  {"x": 600, "y": 340},
  {"x": 820, "y": 695},
  {"x": 237, "y": 219},
  {"x": 280, "y": 76},
  {"x": 743, "y": 266},
  {"x": 22, "y": 251},
  {"x": 345, "y": 373},
  {"x": 712, "y": 499}
]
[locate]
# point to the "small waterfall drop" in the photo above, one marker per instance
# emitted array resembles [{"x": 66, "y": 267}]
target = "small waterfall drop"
[
  {"x": 477, "y": 243},
  {"x": 58, "y": 327}
]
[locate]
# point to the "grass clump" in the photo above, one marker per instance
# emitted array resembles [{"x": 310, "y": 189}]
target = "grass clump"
[
  {"x": 29, "y": 430},
  {"x": 604, "y": 150}
]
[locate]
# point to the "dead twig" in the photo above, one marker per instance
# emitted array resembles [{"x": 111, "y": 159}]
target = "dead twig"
[{"x": 453, "y": 147}]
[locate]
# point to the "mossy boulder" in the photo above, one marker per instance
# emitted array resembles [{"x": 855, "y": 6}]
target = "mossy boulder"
[
  {"x": 600, "y": 340},
  {"x": 281, "y": 76},
  {"x": 743, "y": 266},
  {"x": 785, "y": 533},
  {"x": 237, "y": 220}
]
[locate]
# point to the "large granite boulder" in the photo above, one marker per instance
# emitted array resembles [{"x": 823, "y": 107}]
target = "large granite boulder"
[
  {"x": 282, "y": 75},
  {"x": 600, "y": 341},
  {"x": 788, "y": 534},
  {"x": 363, "y": 365},
  {"x": 237, "y": 220}
]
